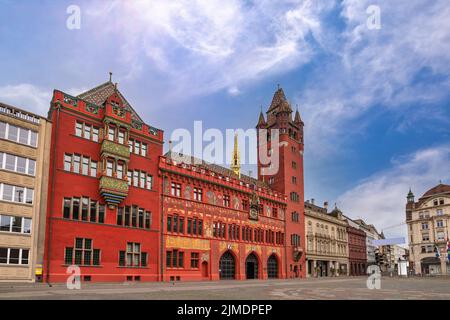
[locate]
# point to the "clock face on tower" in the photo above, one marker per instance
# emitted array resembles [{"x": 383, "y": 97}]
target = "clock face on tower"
[{"x": 253, "y": 214}]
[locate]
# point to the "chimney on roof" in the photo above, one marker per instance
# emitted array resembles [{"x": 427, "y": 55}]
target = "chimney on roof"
[
  {"x": 325, "y": 205},
  {"x": 307, "y": 201},
  {"x": 170, "y": 147},
  {"x": 312, "y": 201}
]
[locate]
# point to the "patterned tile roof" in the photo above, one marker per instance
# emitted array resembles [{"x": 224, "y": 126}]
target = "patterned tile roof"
[{"x": 99, "y": 94}]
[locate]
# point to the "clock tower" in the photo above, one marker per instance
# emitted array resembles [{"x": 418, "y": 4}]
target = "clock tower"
[{"x": 288, "y": 179}]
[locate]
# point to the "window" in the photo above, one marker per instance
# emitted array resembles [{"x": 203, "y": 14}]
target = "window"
[
  {"x": 121, "y": 137},
  {"x": 144, "y": 150},
  {"x": 76, "y": 163},
  {"x": 294, "y": 180},
  {"x": 95, "y": 134},
  {"x": 425, "y": 237},
  {"x": 111, "y": 133},
  {"x": 15, "y": 224},
  {"x": 17, "y": 164},
  {"x": 194, "y": 260},
  {"x": 295, "y": 217},
  {"x": 139, "y": 217},
  {"x": 94, "y": 169},
  {"x": 82, "y": 254},
  {"x": 85, "y": 168},
  {"x": 294, "y": 196},
  {"x": 439, "y": 223},
  {"x": 424, "y": 226},
  {"x": 439, "y": 212},
  {"x": 198, "y": 194},
  {"x": 441, "y": 236},
  {"x": 226, "y": 200},
  {"x": 16, "y": 194},
  {"x": 86, "y": 131},
  {"x": 174, "y": 259},
  {"x": 176, "y": 189},
  {"x": 18, "y": 134},
  {"x": 294, "y": 165},
  {"x": 79, "y": 129},
  {"x": 109, "y": 168},
  {"x": 119, "y": 171},
  {"x": 441, "y": 201},
  {"x": 14, "y": 256},
  {"x": 67, "y": 162},
  {"x": 91, "y": 210},
  {"x": 133, "y": 257},
  {"x": 194, "y": 227},
  {"x": 142, "y": 180},
  {"x": 295, "y": 240},
  {"x": 137, "y": 147},
  {"x": 219, "y": 230}
]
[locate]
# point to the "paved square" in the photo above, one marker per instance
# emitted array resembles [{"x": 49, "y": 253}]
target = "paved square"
[{"x": 329, "y": 288}]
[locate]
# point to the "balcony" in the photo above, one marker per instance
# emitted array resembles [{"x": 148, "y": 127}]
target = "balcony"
[
  {"x": 116, "y": 150},
  {"x": 113, "y": 190}
]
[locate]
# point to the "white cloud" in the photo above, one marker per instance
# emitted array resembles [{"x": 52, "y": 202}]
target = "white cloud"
[
  {"x": 203, "y": 46},
  {"x": 379, "y": 68},
  {"x": 380, "y": 199},
  {"x": 27, "y": 96}
]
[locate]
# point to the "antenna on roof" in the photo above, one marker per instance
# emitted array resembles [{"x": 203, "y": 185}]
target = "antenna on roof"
[{"x": 110, "y": 76}]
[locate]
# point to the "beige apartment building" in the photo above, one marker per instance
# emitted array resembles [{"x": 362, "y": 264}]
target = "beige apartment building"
[
  {"x": 326, "y": 241},
  {"x": 428, "y": 230},
  {"x": 24, "y": 165}
]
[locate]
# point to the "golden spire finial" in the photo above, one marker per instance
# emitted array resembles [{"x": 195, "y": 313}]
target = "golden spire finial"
[{"x": 236, "y": 158}]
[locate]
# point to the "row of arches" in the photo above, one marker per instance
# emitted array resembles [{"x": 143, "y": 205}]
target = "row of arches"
[{"x": 227, "y": 266}]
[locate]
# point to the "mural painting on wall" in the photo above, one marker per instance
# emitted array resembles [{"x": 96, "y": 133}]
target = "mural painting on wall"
[
  {"x": 268, "y": 211},
  {"x": 212, "y": 198},
  {"x": 188, "y": 192},
  {"x": 236, "y": 203},
  {"x": 166, "y": 186}
]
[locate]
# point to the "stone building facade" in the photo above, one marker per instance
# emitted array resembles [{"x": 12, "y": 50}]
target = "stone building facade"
[
  {"x": 24, "y": 165},
  {"x": 428, "y": 230},
  {"x": 326, "y": 241}
]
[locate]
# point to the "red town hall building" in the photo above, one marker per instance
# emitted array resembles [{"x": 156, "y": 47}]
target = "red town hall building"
[
  {"x": 122, "y": 211},
  {"x": 103, "y": 210}
]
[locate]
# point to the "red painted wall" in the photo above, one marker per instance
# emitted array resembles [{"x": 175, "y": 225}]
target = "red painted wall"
[{"x": 107, "y": 237}]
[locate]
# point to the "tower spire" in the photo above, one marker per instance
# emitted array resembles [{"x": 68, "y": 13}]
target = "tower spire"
[{"x": 236, "y": 158}]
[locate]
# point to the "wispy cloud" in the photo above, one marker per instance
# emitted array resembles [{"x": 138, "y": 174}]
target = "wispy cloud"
[
  {"x": 380, "y": 199},
  {"x": 26, "y": 96},
  {"x": 402, "y": 68},
  {"x": 199, "y": 47}
]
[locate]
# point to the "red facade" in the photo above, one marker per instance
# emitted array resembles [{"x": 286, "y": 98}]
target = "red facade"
[
  {"x": 89, "y": 189},
  {"x": 357, "y": 254},
  {"x": 228, "y": 242},
  {"x": 122, "y": 211},
  {"x": 289, "y": 179}
]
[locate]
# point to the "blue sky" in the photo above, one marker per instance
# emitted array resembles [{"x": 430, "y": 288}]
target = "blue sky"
[{"x": 375, "y": 102}]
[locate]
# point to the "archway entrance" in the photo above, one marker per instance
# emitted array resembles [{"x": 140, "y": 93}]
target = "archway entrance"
[
  {"x": 227, "y": 266},
  {"x": 251, "y": 267},
  {"x": 272, "y": 267}
]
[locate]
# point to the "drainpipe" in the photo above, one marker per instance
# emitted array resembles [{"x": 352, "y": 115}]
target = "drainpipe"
[{"x": 52, "y": 196}]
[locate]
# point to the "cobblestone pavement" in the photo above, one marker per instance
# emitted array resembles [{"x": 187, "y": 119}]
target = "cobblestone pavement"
[{"x": 331, "y": 288}]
